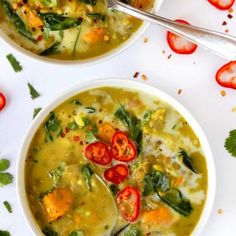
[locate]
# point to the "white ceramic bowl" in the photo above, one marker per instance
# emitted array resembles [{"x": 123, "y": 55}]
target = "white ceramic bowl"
[
  {"x": 84, "y": 62},
  {"x": 114, "y": 83}
]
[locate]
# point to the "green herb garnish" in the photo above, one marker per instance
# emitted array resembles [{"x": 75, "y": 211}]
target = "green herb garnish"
[
  {"x": 87, "y": 174},
  {"x": 97, "y": 16},
  {"x": 77, "y": 233},
  {"x": 133, "y": 123},
  {"x": 36, "y": 111},
  {"x": 33, "y": 92},
  {"x": 49, "y": 232},
  {"x": 187, "y": 160},
  {"x": 57, "y": 22},
  {"x": 5, "y": 179},
  {"x": 72, "y": 125},
  {"x": 76, "y": 102},
  {"x": 133, "y": 231},
  {"x": 14, "y": 63},
  {"x": 50, "y": 3},
  {"x": 51, "y": 126},
  {"x": 51, "y": 50},
  {"x": 8, "y": 206},
  {"x": 114, "y": 189},
  {"x": 230, "y": 143},
  {"x": 4, "y": 233},
  {"x": 4, "y": 164},
  {"x": 57, "y": 174},
  {"x": 90, "y": 110}
]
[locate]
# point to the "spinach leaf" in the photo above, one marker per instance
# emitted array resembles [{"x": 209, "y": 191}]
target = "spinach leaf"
[
  {"x": 133, "y": 231},
  {"x": 4, "y": 164},
  {"x": 76, "y": 42},
  {"x": 57, "y": 174},
  {"x": 174, "y": 198},
  {"x": 49, "y": 232},
  {"x": 90, "y": 110},
  {"x": 87, "y": 174},
  {"x": 155, "y": 181},
  {"x": 72, "y": 125},
  {"x": 133, "y": 123},
  {"x": 14, "y": 63},
  {"x": 57, "y": 22},
  {"x": 97, "y": 16},
  {"x": 33, "y": 92},
  {"x": 187, "y": 160},
  {"x": 16, "y": 20},
  {"x": 8, "y": 206},
  {"x": 51, "y": 126},
  {"x": 4, "y": 233},
  {"x": 5, "y": 179},
  {"x": 90, "y": 2},
  {"x": 51, "y": 50},
  {"x": 76, "y": 102},
  {"x": 114, "y": 189},
  {"x": 36, "y": 111},
  {"x": 90, "y": 130},
  {"x": 77, "y": 233}
]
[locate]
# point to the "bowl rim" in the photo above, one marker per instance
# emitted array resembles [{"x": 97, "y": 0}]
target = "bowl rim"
[
  {"x": 119, "y": 83},
  {"x": 84, "y": 62}
]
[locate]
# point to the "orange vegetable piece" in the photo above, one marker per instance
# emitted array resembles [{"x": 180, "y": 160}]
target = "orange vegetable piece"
[
  {"x": 31, "y": 17},
  {"x": 57, "y": 203},
  {"x": 106, "y": 132},
  {"x": 162, "y": 215},
  {"x": 94, "y": 35},
  {"x": 178, "y": 181}
]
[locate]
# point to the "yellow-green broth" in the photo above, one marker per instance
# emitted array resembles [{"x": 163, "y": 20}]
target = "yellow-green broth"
[
  {"x": 101, "y": 30},
  {"x": 165, "y": 134}
]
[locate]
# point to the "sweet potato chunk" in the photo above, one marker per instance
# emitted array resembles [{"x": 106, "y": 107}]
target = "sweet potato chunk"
[
  {"x": 105, "y": 132},
  {"x": 57, "y": 203},
  {"x": 94, "y": 35}
]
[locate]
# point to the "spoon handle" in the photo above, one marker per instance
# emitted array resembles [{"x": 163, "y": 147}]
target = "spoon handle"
[{"x": 221, "y": 44}]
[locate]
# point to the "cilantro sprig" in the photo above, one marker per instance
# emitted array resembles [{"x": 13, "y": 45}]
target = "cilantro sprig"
[{"x": 230, "y": 143}]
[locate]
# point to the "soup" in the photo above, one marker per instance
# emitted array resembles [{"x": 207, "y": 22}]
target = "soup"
[
  {"x": 113, "y": 161},
  {"x": 68, "y": 29}
]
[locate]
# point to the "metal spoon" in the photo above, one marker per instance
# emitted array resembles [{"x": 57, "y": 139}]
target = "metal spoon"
[{"x": 223, "y": 45}]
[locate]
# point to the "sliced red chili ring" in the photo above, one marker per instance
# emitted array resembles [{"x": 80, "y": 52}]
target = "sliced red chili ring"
[
  {"x": 122, "y": 149},
  {"x": 226, "y": 75},
  {"x": 2, "y": 101},
  {"x": 128, "y": 201},
  {"x": 222, "y": 4},
  {"x": 116, "y": 174},
  {"x": 98, "y": 152},
  {"x": 179, "y": 44}
]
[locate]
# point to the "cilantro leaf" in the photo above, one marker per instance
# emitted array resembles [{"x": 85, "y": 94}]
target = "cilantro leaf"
[
  {"x": 77, "y": 233},
  {"x": 72, "y": 125},
  {"x": 57, "y": 174},
  {"x": 33, "y": 92},
  {"x": 49, "y": 232},
  {"x": 14, "y": 63},
  {"x": 4, "y": 164},
  {"x": 76, "y": 102},
  {"x": 51, "y": 126},
  {"x": 5, "y": 179},
  {"x": 8, "y": 206},
  {"x": 133, "y": 231},
  {"x": 230, "y": 143},
  {"x": 36, "y": 111},
  {"x": 4, "y": 233}
]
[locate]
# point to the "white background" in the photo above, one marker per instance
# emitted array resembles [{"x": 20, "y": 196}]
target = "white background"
[{"x": 194, "y": 74}]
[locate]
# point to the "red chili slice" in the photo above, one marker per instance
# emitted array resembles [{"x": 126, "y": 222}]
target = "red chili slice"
[
  {"x": 122, "y": 149},
  {"x": 179, "y": 44},
  {"x": 98, "y": 152},
  {"x": 2, "y": 101},
  {"x": 226, "y": 75},
  {"x": 128, "y": 201},
  {"x": 222, "y": 4},
  {"x": 116, "y": 174}
]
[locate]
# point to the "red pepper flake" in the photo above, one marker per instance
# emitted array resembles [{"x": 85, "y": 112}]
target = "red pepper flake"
[
  {"x": 136, "y": 74},
  {"x": 67, "y": 129},
  {"x": 81, "y": 143},
  {"x": 230, "y": 16},
  {"x": 100, "y": 121},
  {"x": 76, "y": 138},
  {"x": 180, "y": 91},
  {"x": 226, "y": 31},
  {"x": 163, "y": 52},
  {"x": 220, "y": 211},
  {"x": 144, "y": 77},
  {"x": 40, "y": 37},
  {"x": 62, "y": 134},
  {"x": 169, "y": 56},
  {"x": 224, "y": 23},
  {"x": 223, "y": 93}
]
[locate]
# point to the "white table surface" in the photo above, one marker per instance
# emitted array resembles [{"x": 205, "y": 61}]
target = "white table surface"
[{"x": 194, "y": 74}]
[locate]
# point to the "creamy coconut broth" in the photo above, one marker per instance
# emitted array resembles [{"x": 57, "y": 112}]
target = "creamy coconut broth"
[
  {"x": 143, "y": 150},
  {"x": 68, "y": 29}
]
